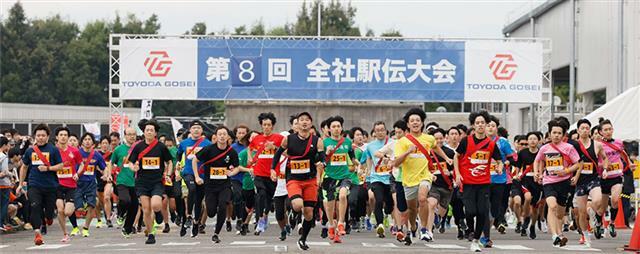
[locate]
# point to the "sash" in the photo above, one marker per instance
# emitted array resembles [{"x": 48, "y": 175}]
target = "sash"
[
  {"x": 201, "y": 170},
  {"x": 41, "y": 156}
]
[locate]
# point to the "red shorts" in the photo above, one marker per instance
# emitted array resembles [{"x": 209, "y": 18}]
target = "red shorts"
[{"x": 307, "y": 190}]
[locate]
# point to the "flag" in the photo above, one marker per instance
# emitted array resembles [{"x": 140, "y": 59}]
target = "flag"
[
  {"x": 93, "y": 128},
  {"x": 177, "y": 125}
]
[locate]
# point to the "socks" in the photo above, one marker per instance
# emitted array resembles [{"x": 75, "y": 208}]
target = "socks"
[
  {"x": 306, "y": 228},
  {"x": 73, "y": 220},
  {"x": 614, "y": 214}
]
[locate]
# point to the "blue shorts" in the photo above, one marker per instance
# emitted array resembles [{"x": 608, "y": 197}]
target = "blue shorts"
[{"x": 86, "y": 193}]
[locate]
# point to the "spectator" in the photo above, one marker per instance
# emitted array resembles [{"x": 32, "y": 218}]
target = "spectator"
[{"x": 5, "y": 181}]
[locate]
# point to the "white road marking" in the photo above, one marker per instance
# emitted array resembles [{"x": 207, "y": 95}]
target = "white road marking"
[
  {"x": 512, "y": 247},
  {"x": 379, "y": 245},
  {"x": 48, "y": 247},
  {"x": 248, "y": 243},
  {"x": 445, "y": 246},
  {"x": 180, "y": 244}
]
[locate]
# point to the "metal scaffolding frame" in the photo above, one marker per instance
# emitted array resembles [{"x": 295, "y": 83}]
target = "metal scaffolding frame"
[{"x": 544, "y": 109}]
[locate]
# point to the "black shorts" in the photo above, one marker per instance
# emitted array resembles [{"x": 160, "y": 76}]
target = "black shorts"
[
  {"x": 331, "y": 187},
  {"x": 150, "y": 190},
  {"x": 249, "y": 197},
  {"x": 627, "y": 183},
  {"x": 66, "y": 194},
  {"x": 516, "y": 190},
  {"x": 560, "y": 190},
  {"x": 534, "y": 188},
  {"x": 607, "y": 184},
  {"x": 584, "y": 188},
  {"x": 169, "y": 191}
]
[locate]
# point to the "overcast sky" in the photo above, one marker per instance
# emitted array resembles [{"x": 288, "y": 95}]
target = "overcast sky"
[{"x": 443, "y": 18}]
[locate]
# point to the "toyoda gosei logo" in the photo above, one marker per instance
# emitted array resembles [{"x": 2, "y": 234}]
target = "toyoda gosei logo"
[
  {"x": 503, "y": 67},
  {"x": 158, "y": 63}
]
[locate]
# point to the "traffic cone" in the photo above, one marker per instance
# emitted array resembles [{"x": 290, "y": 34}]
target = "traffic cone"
[
  {"x": 619, "y": 223},
  {"x": 634, "y": 242}
]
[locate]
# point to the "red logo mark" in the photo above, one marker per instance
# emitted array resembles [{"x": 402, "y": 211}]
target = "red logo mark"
[
  {"x": 503, "y": 67},
  {"x": 158, "y": 64}
]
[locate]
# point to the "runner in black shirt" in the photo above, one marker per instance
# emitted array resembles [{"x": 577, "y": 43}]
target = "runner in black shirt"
[
  {"x": 220, "y": 162},
  {"x": 305, "y": 153},
  {"x": 532, "y": 189},
  {"x": 152, "y": 163}
]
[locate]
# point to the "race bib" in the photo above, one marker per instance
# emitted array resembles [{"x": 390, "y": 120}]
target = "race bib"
[
  {"x": 383, "y": 169},
  {"x": 587, "y": 168},
  {"x": 150, "y": 163},
  {"x": 217, "y": 173},
  {"x": 91, "y": 170},
  {"x": 494, "y": 168},
  {"x": 615, "y": 168},
  {"x": 339, "y": 159},
  {"x": 417, "y": 155},
  {"x": 191, "y": 154},
  {"x": 554, "y": 163},
  {"x": 35, "y": 160},
  {"x": 267, "y": 154},
  {"x": 480, "y": 157},
  {"x": 438, "y": 166},
  {"x": 300, "y": 166},
  {"x": 65, "y": 172}
]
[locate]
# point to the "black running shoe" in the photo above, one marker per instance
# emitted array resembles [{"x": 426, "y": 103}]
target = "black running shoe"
[
  {"x": 302, "y": 245},
  {"x": 324, "y": 233},
  {"x": 166, "y": 228},
  {"x": 151, "y": 239},
  {"x": 532, "y": 232},
  {"x": 183, "y": 229},
  {"x": 283, "y": 235},
  {"x": 194, "y": 230},
  {"x": 229, "y": 228},
  {"x": 215, "y": 239}
]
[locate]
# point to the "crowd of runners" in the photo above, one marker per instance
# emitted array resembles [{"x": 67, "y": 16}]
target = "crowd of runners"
[{"x": 407, "y": 180}]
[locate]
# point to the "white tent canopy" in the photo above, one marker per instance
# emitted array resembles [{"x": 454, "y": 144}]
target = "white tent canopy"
[{"x": 624, "y": 113}]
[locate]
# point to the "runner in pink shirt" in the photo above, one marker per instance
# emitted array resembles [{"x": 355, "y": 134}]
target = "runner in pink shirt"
[{"x": 555, "y": 164}]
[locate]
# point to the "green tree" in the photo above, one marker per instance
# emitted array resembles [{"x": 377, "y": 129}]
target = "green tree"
[
  {"x": 391, "y": 33},
  {"x": 336, "y": 20}
]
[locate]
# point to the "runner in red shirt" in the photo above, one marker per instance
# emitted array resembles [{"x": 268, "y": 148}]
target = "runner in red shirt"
[
  {"x": 67, "y": 178},
  {"x": 265, "y": 146}
]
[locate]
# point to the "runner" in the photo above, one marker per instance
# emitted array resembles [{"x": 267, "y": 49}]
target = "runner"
[
  {"x": 92, "y": 161},
  {"x": 587, "y": 181},
  {"x": 557, "y": 161},
  {"x": 531, "y": 189},
  {"x": 152, "y": 163},
  {"x": 171, "y": 193},
  {"x": 281, "y": 201},
  {"x": 441, "y": 191},
  {"x": 67, "y": 178},
  {"x": 498, "y": 182},
  {"x": 337, "y": 179},
  {"x": 380, "y": 173},
  {"x": 472, "y": 165},
  {"x": 516, "y": 194},
  {"x": 220, "y": 162},
  {"x": 238, "y": 206},
  {"x": 412, "y": 152},
  {"x": 302, "y": 175},
  {"x": 42, "y": 161},
  {"x": 248, "y": 188},
  {"x": 457, "y": 207},
  {"x": 188, "y": 148},
  {"x": 265, "y": 145},
  {"x": 359, "y": 192},
  {"x": 105, "y": 180},
  {"x": 613, "y": 174},
  {"x": 125, "y": 184}
]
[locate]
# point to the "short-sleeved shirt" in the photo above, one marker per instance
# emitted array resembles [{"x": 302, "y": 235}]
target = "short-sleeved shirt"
[
  {"x": 505, "y": 150},
  {"x": 381, "y": 173},
  {"x": 355, "y": 178},
  {"x": 151, "y": 167},
  {"x": 442, "y": 163},
  {"x": 215, "y": 173},
  {"x": 186, "y": 147},
  {"x": 337, "y": 166},
  {"x": 126, "y": 176},
  {"x": 617, "y": 165},
  {"x": 525, "y": 162},
  {"x": 95, "y": 163},
  {"x": 415, "y": 167},
  {"x": 262, "y": 167},
  {"x": 47, "y": 179},
  {"x": 71, "y": 159},
  {"x": 247, "y": 180},
  {"x": 554, "y": 161}
]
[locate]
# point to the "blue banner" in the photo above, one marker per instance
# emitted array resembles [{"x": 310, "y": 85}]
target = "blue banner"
[{"x": 330, "y": 70}]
